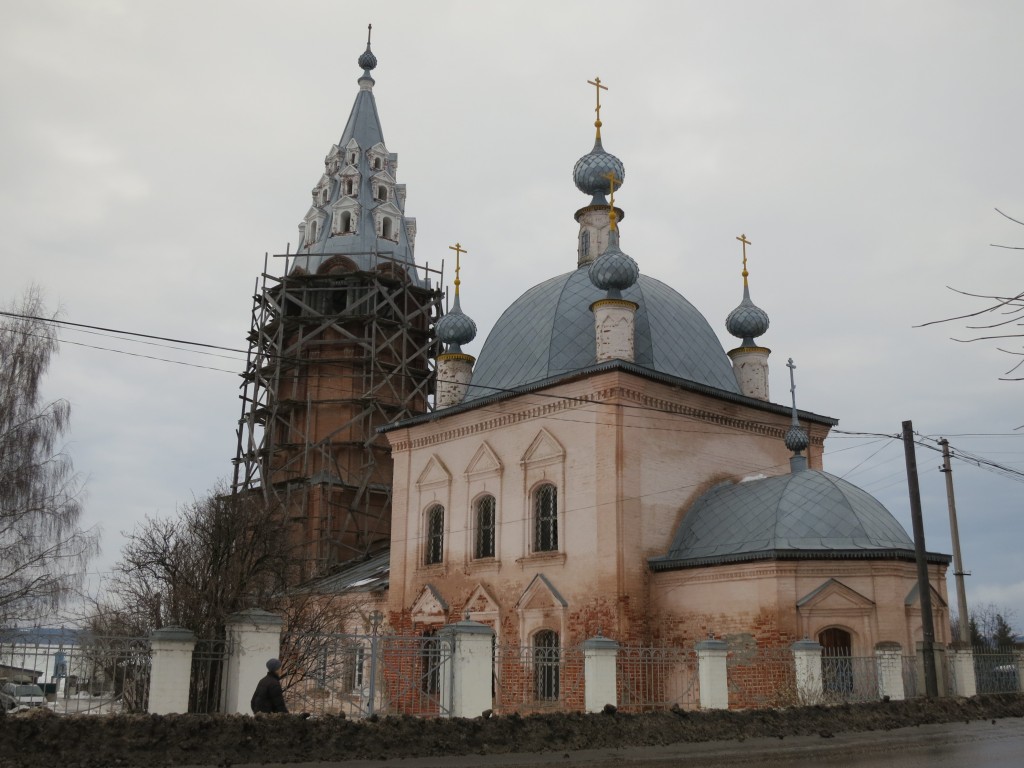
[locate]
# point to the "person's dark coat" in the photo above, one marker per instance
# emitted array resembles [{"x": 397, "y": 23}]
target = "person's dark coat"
[{"x": 268, "y": 696}]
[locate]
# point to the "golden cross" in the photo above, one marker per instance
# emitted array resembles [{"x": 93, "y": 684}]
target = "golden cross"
[
  {"x": 612, "y": 181},
  {"x": 596, "y": 82},
  {"x": 743, "y": 239},
  {"x": 459, "y": 250}
]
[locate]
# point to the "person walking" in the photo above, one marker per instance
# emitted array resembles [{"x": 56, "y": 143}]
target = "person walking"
[{"x": 268, "y": 696}]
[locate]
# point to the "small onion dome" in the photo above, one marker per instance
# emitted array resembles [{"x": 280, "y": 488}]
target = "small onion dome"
[
  {"x": 796, "y": 439},
  {"x": 456, "y": 328},
  {"x": 367, "y": 61},
  {"x": 747, "y": 321},
  {"x": 613, "y": 271},
  {"x": 591, "y": 173}
]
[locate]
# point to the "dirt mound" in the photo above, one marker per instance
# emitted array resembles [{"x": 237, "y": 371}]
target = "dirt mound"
[{"x": 42, "y": 739}]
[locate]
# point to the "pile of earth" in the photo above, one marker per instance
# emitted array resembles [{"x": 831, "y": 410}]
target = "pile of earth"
[{"x": 42, "y": 738}]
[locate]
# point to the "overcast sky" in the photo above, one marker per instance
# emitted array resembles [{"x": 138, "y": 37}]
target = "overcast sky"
[{"x": 151, "y": 153}]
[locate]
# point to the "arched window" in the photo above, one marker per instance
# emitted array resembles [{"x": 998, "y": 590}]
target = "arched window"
[
  {"x": 546, "y": 665},
  {"x": 382, "y": 193},
  {"x": 485, "y": 509},
  {"x": 386, "y": 229},
  {"x": 376, "y": 163},
  {"x": 312, "y": 231},
  {"x": 836, "y": 661},
  {"x": 348, "y": 186},
  {"x": 346, "y": 222},
  {"x": 352, "y": 158},
  {"x": 435, "y": 535},
  {"x": 545, "y": 519}
]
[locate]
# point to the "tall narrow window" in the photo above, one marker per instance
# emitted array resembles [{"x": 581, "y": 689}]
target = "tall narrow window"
[
  {"x": 346, "y": 222},
  {"x": 376, "y": 162},
  {"x": 435, "y": 535},
  {"x": 386, "y": 229},
  {"x": 382, "y": 193},
  {"x": 545, "y": 519},
  {"x": 312, "y": 231},
  {"x": 485, "y": 524},
  {"x": 546, "y": 664},
  {"x": 348, "y": 186},
  {"x": 430, "y": 663}
]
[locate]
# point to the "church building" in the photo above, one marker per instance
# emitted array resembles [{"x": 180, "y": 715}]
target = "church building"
[{"x": 604, "y": 466}]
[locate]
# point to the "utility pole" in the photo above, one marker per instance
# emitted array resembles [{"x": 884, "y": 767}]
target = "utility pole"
[
  {"x": 958, "y": 565},
  {"x": 924, "y": 592}
]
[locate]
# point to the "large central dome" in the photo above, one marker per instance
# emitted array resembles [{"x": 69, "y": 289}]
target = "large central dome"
[{"x": 549, "y": 331}]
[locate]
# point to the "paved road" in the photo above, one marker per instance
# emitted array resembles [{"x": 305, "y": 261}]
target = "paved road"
[{"x": 978, "y": 744}]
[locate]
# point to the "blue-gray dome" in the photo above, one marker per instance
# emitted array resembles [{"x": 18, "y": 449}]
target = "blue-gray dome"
[
  {"x": 590, "y": 173},
  {"x": 456, "y": 328},
  {"x": 613, "y": 270},
  {"x": 549, "y": 331},
  {"x": 796, "y": 438},
  {"x": 804, "y": 513},
  {"x": 367, "y": 60},
  {"x": 747, "y": 321}
]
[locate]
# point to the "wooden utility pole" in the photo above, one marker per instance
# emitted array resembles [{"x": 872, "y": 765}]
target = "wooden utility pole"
[
  {"x": 958, "y": 566},
  {"x": 924, "y": 592}
]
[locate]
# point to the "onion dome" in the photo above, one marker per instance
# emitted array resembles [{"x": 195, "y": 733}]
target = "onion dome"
[
  {"x": 613, "y": 271},
  {"x": 456, "y": 328},
  {"x": 367, "y": 60},
  {"x": 747, "y": 321},
  {"x": 796, "y": 439},
  {"x": 591, "y": 173}
]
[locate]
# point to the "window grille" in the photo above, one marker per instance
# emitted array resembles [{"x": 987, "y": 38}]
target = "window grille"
[
  {"x": 485, "y": 525},
  {"x": 545, "y": 519},
  {"x": 435, "y": 535},
  {"x": 546, "y": 663}
]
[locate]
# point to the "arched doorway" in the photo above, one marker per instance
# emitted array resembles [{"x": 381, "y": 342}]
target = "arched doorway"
[{"x": 836, "y": 661}]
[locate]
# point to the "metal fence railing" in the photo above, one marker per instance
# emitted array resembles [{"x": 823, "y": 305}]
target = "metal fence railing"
[
  {"x": 848, "y": 679},
  {"x": 654, "y": 678},
  {"x": 996, "y": 670},
  {"x": 363, "y": 675},
  {"x": 540, "y": 677}
]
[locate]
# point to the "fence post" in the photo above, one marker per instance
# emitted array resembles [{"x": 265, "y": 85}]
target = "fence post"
[
  {"x": 807, "y": 666},
  {"x": 1019, "y": 658},
  {"x": 714, "y": 677},
  {"x": 941, "y": 671},
  {"x": 889, "y": 659},
  {"x": 962, "y": 663},
  {"x": 171, "y": 670},
  {"x": 600, "y": 684},
  {"x": 254, "y": 636},
  {"x": 466, "y": 677}
]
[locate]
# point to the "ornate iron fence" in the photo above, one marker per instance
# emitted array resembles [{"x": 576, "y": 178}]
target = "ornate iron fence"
[
  {"x": 652, "y": 678},
  {"x": 848, "y": 678},
  {"x": 541, "y": 677},
  {"x": 996, "y": 670},
  {"x": 363, "y": 675}
]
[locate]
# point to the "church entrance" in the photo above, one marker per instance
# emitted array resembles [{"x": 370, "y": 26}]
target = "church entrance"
[{"x": 836, "y": 661}]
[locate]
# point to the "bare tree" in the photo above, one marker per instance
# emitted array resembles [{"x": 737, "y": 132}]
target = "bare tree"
[
  {"x": 43, "y": 550},
  {"x": 991, "y": 626},
  {"x": 1003, "y": 314}
]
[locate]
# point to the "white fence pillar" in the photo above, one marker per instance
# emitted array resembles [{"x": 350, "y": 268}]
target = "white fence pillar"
[
  {"x": 889, "y": 660},
  {"x": 714, "y": 677},
  {"x": 171, "y": 670},
  {"x": 254, "y": 636},
  {"x": 600, "y": 684},
  {"x": 465, "y": 684},
  {"x": 961, "y": 661},
  {"x": 807, "y": 664},
  {"x": 1020, "y": 670}
]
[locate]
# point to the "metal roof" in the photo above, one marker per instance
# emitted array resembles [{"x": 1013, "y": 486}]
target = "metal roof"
[
  {"x": 549, "y": 331},
  {"x": 803, "y": 514}
]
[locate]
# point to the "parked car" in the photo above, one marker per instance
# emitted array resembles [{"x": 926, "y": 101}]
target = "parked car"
[
  {"x": 25, "y": 694},
  {"x": 7, "y": 702}
]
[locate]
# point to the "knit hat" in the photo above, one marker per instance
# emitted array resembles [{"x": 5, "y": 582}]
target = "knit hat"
[{"x": 274, "y": 664}]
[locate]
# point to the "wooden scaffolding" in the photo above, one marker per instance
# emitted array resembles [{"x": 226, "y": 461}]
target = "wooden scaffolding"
[{"x": 333, "y": 356}]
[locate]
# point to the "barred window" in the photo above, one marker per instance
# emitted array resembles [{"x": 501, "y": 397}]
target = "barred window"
[
  {"x": 545, "y": 519},
  {"x": 430, "y": 663},
  {"x": 485, "y": 525},
  {"x": 546, "y": 664},
  {"x": 435, "y": 535}
]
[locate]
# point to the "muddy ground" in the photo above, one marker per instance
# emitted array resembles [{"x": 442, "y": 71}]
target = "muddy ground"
[{"x": 41, "y": 738}]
